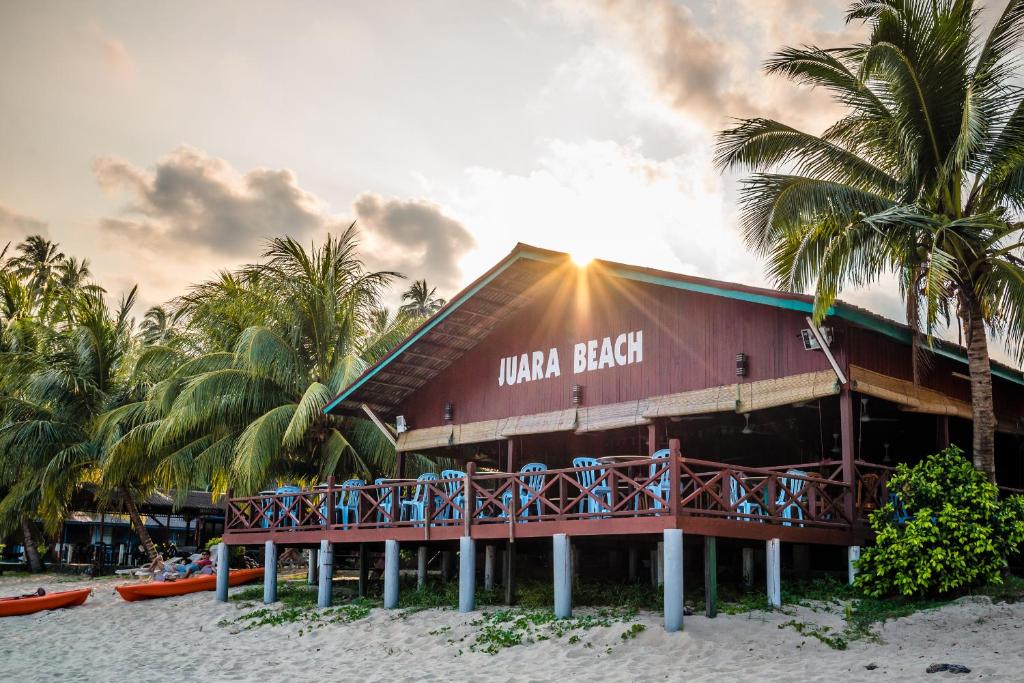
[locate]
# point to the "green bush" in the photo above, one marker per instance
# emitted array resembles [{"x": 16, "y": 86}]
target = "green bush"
[
  {"x": 960, "y": 533},
  {"x": 236, "y": 553}
]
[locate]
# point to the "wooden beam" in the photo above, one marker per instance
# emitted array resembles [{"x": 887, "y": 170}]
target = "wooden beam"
[
  {"x": 847, "y": 436},
  {"x": 380, "y": 425},
  {"x": 840, "y": 375}
]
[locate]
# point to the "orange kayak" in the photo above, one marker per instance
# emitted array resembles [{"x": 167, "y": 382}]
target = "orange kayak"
[
  {"x": 165, "y": 589},
  {"x": 10, "y": 607}
]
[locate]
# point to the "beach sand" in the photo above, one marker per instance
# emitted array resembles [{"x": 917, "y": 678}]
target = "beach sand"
[{"x": 178, "y": 639}]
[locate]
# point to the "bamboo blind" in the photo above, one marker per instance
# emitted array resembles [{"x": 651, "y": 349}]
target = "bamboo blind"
[
  {"x": 540, "y": 423},
  {"x": 784, "y": 391},
  {"x": 478, "y": 432},
  {"x": 612, "y": 416},
  {"x": 422, "y": 439},
  {"x": 912, "y": 398},
  {"x": 711, "y": 400}
]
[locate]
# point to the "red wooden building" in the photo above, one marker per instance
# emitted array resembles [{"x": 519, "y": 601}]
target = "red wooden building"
[{"x": 775, "y": 429}]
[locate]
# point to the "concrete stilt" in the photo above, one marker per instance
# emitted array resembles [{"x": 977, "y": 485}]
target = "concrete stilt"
[
  {"x": 421, "y": 566},
  {"x": 562, "y": 563},
  {"x": 802, "y": 560},
  {"x": 467, "y": 574},
  {"x": 773, "y": 566},
  {"x": 634, "y": 562},
  {"x": 222, "y": 572},
  {"x": 489, "y": 555},
  {"x": 510, "y": 574},
  {"x": 654, "y": 567},
  {"x": 269, "y": 573},
  {"x": 390, "y": 574},
  {"x": 326, "y": 574},
  {"x": 364, "y": 570},
  {"x": 660, "y": 573},
  {"x": 672, "y": 552},
  {"x": 748, "y": 568},
  {"x": 446, "y": 566},
  {"x": 311, "y": 560},
  {"x": 852, "y": 556},
  {"x": 710, "y": 576}
]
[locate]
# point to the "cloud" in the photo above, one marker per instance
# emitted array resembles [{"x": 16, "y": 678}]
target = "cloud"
[
  {"x": 112, "y": 51},
  {"x": 15, "y": 227},
  {"x": 412, "y": 236},
  {"x": 191, "y": 200}
]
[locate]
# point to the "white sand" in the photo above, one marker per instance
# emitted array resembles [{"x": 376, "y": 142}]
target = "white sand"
[{"x": 178, "y": 639}]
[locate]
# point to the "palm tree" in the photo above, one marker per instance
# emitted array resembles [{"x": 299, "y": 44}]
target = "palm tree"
[
  {"x": 922, "y": 177},
  {"x": 255, "y": 413},
  {"x": 420, "y": 300},
  {"x": 160, "y": 325}
]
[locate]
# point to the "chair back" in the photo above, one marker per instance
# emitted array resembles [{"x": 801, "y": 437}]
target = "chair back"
[
  {"x": 287, "y": 501},
  {"x": 663, "y": 479},
  {"x": 794, "y": 486},
  {"x": 868, "y": 490},
  {"x": 349, "y": 495},
  {"x": 587, "y": 478},
  {"x": 535, "y": 481},
  {"x": 420, "y": 495},
  {"x": 736, "y": 489}
]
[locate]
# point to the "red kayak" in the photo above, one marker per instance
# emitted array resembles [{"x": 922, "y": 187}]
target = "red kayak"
[
  {"x": 10, "y": 607},
  {"x": 165, "y": 589}
]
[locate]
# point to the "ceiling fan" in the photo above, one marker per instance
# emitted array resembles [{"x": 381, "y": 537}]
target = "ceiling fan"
[
  {"x": 865, "y": 417},
  {"x": 748, "y": 428}
]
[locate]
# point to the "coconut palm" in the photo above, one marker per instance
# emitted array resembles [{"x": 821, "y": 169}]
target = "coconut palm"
[
  {"x": 922, "y": 177},
  {"x": 254, "y": 413},
  {"x": 420, "y": 300}
]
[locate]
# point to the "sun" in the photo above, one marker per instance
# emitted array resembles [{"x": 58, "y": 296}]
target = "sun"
[{"x": 582, "y": 260}]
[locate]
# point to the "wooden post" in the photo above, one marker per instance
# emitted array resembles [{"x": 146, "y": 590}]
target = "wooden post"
[
  {"x": 446, "y": 566},
  {"x": 269, "y": 573},
  {"x": 847, "y": 435},
  {"x": 674, "y": 476},
  {"x": 467, "y": 574},
  {"x": 489, "y": 553},
  {"x": 659, "y": 572},
  {"x": 852, "y": 557},
  {"x": 311, "y": 567},
  {"x": 390, "y": 574},
  {"x": 802, "y": 560},
  {"x": 748, "y": 568},
  {"x": 652, "y": 438},
  {"x": 942, "y": 432},
  {"x": 634, "y": 561},
  {"x": 774, "y": 572},
  {"x": 562, "y": 563},
  {"x": 468, "y": 499},
  {"x": 421, "y": 567},
  {"x": 400, "y": 465},
  {"x": 222, "y": 572},
  {"x": 326, "y": 557},
  {"x": 364, "y": 570},
  {"x": 673, "y": 593},
  {"x": 710, "y": 576},
  {"x": 654, "y": 567},
  {"x": 510, "y": 574},
  {"x": 331, "y": 512}
]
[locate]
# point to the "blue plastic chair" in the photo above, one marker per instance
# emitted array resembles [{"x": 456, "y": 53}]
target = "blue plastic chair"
[
  {"x": 784, "y": 504},
  {"x": 453, "y": 481},
  {"x": 534, "y": 482},
  {"x": 586, "y": 480},
  {"x": 746, "y": 507},
  {"x": 289, "y": 518},
  {"x": 383, "y": 498},
  {"x": 414, "y": 508},
  {"x": 900, "y": 514},
  {"x": 348, "y": 500},
  {"x": 660, "y": 488}
]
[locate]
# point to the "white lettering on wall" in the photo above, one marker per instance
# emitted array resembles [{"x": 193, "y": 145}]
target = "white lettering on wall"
[{"x": 626, "y": 348}]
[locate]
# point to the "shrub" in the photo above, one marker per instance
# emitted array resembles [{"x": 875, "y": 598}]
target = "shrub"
[{"x": 960, "y": 534}]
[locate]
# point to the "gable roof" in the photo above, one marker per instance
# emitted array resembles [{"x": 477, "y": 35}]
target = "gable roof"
[{"x": 475, "y": 311}]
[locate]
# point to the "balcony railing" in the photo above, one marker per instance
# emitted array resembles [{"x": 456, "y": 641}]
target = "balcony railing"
[{"x": 809, "y": 495}]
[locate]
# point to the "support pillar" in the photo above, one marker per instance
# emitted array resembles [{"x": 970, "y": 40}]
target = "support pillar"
[
  {"x": 774, "y": 572},
  {"x": 562, "y": 563},
  {"x": 847, "y": 435},
  {"x": 390, "y": 574},
  {"x": 421, "y": 567},
  {"x": 489, "y": 555},
  {"x": 446, "y": 566},
  {"x": 510, "y": 574},
  {"x": 222, "y": 572},
  {"x": 269, "y": 573},
  {"x": 654, "y": 568},
  {"x": 852, "y": 557},
  {"x": 634, "y": 561},
  {"x": 659, "y": 574},
  {"x": 364, "y": 570},
  {"x": 748, "y": 568},
  {"x": 326, "y": 558},
  {"x": 467, "y": 574},
  {"x": 710, "y": 576},
  {"x": 311, "y": 560},
  {"x": 672, "y": 552}
]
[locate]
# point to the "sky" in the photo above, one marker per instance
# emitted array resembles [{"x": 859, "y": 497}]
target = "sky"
[{"x": 166, "y": 141}]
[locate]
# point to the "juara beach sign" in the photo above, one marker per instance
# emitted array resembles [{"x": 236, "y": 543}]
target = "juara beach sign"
[{"x": 587, "y": 356}]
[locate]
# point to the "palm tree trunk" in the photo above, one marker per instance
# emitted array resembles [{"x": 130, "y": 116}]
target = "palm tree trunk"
[
  {"x": 140, "y": 527},
  {"x": 982, "y": 407},
  {"x": 35, "y": 564}
]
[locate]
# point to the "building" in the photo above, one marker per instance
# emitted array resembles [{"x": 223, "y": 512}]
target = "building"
[{"x": 773, "y": 429}]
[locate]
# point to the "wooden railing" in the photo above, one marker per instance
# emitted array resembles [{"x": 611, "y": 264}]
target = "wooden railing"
[{"x": 814, "y": 496}]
